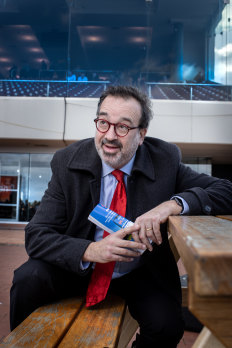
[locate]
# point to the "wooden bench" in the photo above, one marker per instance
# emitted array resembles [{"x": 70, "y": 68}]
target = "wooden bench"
[
  {"x": 205, "y": 246},
  {"x": 70, "y": 324}
]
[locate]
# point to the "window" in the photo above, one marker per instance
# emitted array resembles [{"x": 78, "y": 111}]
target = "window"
[{"x": 23, "y": 180}]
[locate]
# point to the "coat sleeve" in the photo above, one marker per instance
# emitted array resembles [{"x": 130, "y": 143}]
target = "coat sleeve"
[
  {"x": 45, "y": 235},
  {"x": 205, "y": 195}
]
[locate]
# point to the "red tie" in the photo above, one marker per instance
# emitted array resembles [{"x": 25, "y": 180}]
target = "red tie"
[{"x": 102, "y": 273}]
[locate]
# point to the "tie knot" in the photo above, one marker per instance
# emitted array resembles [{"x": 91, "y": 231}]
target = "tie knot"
[{"x": 118, "y": 174}]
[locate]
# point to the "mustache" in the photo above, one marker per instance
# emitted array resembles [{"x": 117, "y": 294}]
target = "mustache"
[{"x": 114, "y": 142}]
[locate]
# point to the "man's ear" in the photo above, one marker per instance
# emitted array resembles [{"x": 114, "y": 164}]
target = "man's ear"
[{"x": 143, "y": 132}]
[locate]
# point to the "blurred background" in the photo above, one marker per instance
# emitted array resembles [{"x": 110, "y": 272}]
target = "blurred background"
[{"x": 133, "y": 41}]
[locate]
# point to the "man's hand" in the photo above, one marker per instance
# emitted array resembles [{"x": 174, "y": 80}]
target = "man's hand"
[
  {"x": 150, "y": 223},
  {"x": 114, "y": 247}
]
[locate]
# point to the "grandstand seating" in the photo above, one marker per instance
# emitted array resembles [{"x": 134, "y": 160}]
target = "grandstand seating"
[
  {"x": 92, "y": 89},
  {"x": 190, "y": 92},
  {"x": 19, "y": 88}
]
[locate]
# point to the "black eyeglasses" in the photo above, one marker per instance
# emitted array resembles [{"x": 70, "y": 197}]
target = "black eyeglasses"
[{"x": 120, "y": 129}]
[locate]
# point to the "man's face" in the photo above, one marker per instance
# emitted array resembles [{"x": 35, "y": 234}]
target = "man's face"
[{"x": 114, "y": 150}]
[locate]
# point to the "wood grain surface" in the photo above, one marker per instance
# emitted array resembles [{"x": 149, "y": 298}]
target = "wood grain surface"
[
  {"x": 98, "y": 327},
  {"x": 226, "y": 217},
  {"x": 45, "y": 327},
  {"x": 205, "y": 246},
  {"x": 215, "y": 312}
]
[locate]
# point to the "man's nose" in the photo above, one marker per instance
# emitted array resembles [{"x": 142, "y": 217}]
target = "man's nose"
[{"x": 110, "y": 134}]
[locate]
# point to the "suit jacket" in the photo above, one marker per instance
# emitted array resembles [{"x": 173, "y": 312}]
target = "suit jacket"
[{"x": 60, "y": 231}]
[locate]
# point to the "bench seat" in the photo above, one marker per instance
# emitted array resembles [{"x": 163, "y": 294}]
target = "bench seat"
[{"x": 69, "y": 323}]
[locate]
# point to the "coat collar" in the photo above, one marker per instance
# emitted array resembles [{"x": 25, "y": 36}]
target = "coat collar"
[
  {"x": 143, "y": 162},
  {"x": 86, "y": 158}
]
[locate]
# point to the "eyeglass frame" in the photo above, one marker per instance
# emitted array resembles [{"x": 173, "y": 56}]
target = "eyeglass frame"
[{"x": 114, "y": 124}]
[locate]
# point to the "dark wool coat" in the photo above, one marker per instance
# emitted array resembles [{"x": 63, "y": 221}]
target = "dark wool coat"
[{"x": 60, "y": 232}]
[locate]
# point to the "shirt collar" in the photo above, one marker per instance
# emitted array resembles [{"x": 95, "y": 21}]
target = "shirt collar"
[{"x": 106, "y": 169}]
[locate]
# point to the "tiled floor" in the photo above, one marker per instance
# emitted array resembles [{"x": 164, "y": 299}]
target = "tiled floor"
[{"x": 12, "y": 255}]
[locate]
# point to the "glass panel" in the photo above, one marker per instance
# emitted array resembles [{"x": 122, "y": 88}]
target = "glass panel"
[
  {"x": 229, "y": 44},
  {"x": 8, "y": 189},
  {"x": 76, "y": 47},
  {"x": 14, "y": 182},
  {"x": 223, "y": 45},
  {"x": 7, "y": 213},
  {"x": 23, "y": 180},
  {"x": 40, "y": 174},
  {"x": 23, "y": 193}
]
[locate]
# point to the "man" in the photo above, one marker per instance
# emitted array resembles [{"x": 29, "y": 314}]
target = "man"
[{"x": 64, "y": 246}]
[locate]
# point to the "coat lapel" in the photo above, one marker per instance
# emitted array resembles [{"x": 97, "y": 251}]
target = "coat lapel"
[
  {"x": 143, "y": 163},
  {"x": 142, "y": 175},
  {"x": 86, "y": 159}
]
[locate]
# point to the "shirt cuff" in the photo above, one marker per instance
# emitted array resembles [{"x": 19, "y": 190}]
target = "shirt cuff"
[
  {"x": 185, "y": 205},
  {"x": 84, "y": 265}
]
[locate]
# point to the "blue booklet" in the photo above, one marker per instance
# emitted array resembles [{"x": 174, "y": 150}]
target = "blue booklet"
[{"x": 108, "y": 220}]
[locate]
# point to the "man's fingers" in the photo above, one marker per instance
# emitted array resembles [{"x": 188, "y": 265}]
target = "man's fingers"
[
  {"x": 143, "y": 237},
  {"x": 124, "y": 244},
  {"x": 156, "y": 231},
  {"x": 135, "y": 236},
  {"x": 149, "y": 229},
  {"x": 153, "y": 233},
  {"x": 128, "y": 230},
  {"x": 127, "y": 252},
  {"x": 124, "y": 253},
  {"x": 121, "y": 258}
]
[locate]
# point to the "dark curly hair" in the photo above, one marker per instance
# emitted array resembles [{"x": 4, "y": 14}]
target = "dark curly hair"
[{"x": 127, "y": 92}]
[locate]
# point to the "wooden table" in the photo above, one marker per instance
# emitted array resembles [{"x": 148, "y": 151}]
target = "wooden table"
[
  {"x": 226, "y": 217},
  {"x": 205, "y": 246}
]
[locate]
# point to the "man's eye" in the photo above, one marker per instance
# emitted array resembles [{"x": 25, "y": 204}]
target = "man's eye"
[
  {"x": 102, "y": 123},
  {"x": 122, "y": 127}
]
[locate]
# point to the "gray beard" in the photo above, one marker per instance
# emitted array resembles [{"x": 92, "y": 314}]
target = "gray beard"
[{"x": 115, "y": 161}]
